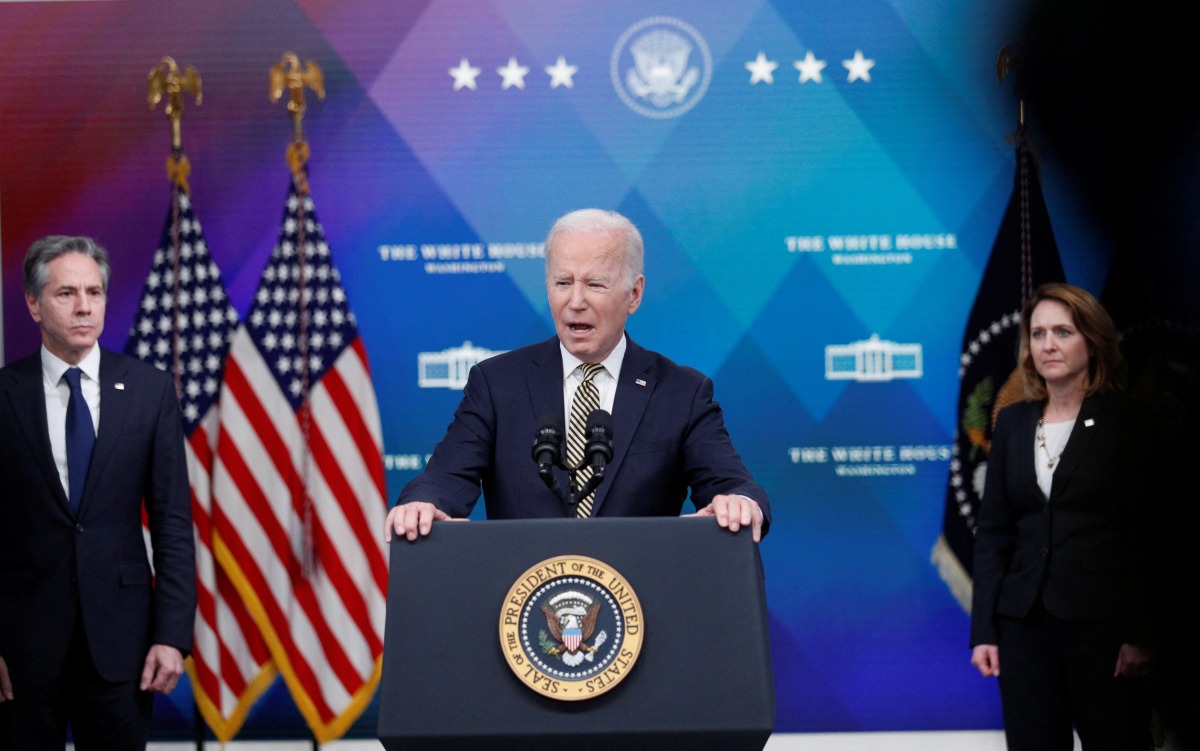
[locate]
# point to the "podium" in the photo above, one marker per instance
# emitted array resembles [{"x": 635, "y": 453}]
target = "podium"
[{"x": 701, "y": 680}]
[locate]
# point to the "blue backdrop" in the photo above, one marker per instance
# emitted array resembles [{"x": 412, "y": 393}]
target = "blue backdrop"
[{"x": 819, "y": 184}]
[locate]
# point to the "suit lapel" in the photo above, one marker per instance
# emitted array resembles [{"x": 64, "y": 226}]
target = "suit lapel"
[
  {"x": 115, "y": 399},
  {"x": 1026, "y": 436},
  {"x": 636, "y": 384},
  {"x": 27, "y": 397},
  {"x": 629, "y": 405},
  {"x": 545, "y": 381},
  {"x": 1082, "y": 433}
]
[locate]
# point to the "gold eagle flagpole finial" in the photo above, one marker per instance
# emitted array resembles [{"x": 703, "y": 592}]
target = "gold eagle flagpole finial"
[
  {"x": 288, "y": 75},
  {"x": 167, "y": 81}
]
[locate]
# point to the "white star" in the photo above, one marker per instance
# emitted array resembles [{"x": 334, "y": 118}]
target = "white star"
[
  {"x": 464, "y": 75},
  {"x": 761, "y": 69},
  {"x": 561, "y": 73},
  {"x": 513, "y": 74},
  {"x": 810, "y": 68},
  {"x": 859, "y": 67}
]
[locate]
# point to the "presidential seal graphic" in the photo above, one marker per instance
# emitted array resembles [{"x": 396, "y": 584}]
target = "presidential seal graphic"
[
  {"x": 661, "y": 67},
  {"x": 571, "y": 628}
]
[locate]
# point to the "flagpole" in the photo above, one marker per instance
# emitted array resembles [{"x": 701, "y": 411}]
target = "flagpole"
[
  {"x": 289, "y": 75},
  {"x": 1008, "y": 59},
  {"x": 321, "y": 465},
  {"x": 197, "y": 726},
  {"x": 166, "y": 81},
  {"x": 1024, "y": 255}
]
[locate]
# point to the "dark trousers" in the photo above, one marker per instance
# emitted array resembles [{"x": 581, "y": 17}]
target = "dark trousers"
[
  {"x": 1056, "y": 676},
  {"x": 103, "y": 716}
]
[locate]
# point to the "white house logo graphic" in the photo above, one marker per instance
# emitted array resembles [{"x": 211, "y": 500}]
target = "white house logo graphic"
[
  {"x": 661, "y": 67},
  {"x": 448, "y": 369},
  {"x": 872, "y": 360}
]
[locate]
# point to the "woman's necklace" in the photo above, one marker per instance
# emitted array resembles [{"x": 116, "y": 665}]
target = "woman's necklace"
[{"x": 1052, "y": 459}]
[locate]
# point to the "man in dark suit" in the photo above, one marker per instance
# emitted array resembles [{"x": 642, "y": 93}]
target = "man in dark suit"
[
  {"x": 669, "y": 435},
  {"x": 89, "y": 625}
]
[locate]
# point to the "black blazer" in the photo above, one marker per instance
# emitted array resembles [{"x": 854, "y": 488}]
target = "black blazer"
[
  {"x": 46, "y": 556},
  {"x": 1083, "y": 551},
  {"x": 668, "y": 436}
]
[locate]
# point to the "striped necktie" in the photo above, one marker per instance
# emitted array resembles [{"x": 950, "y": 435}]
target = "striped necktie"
[
  {"x": 81, "y": 436},
  {"x": 586, "y": 401}
]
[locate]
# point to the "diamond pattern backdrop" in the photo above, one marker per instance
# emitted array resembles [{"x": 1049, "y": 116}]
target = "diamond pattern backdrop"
[{"x": 791, "y": 214}]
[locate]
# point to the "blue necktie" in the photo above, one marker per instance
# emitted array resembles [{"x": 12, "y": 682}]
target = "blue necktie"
[{"x": 81, "y": 436}]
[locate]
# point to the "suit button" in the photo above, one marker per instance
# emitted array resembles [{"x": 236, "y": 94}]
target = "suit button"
[{"x": 79, "y": 527}]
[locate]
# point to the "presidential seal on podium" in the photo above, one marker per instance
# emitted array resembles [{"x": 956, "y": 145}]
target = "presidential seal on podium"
[{"x": 571, "y": 628}]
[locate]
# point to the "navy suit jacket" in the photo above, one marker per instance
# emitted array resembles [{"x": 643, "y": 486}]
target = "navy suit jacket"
[
  {"x": 668, "y": 436},
  {"x": 1083, "y": 552},
  {"x": 55, "y": 568}
]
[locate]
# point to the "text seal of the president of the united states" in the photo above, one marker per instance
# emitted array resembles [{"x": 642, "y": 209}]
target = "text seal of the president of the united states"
[{"x": 571, "y": 628}]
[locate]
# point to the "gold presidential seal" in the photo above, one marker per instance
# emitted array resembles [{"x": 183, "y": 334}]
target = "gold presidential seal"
[{"x": 571, "y": 628}]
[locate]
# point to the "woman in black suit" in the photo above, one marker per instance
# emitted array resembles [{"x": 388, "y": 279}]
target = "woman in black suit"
[{"x": 1060, "y": 547}]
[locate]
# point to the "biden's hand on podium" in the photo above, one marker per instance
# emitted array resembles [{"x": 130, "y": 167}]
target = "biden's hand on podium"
[
  {"x": 734, "y": 512},
  {"x": 412, "y": 520}
]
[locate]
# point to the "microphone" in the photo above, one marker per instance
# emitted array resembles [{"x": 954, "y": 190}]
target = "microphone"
[
  {"x": 547, "y": 452},
  {"x": 598, "y": 433},
  {"x": 548, "y": 440}
]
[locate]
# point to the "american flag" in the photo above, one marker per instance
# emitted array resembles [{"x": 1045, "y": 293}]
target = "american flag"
[
  {"x": 184, "y": 326},
  {"x": 298, "y": 488}
]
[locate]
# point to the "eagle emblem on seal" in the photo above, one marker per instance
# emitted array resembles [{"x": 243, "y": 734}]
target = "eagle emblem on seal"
[
  {"x": 672, "y": 67},
  {"x": 571, "y": 622},
  {"x": 661, "y": 73}
]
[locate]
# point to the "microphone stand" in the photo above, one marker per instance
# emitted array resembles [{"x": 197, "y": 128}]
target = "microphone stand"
[
  {"x": 547, "y": 452},
  {"x": 546, "y": 472},
  {"x": 570, "y": 499}
]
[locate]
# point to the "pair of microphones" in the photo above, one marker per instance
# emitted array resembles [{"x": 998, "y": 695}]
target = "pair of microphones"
[{"x": 597, "y": 452}]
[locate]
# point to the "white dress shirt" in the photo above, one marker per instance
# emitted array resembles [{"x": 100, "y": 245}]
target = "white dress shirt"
[
  {"x": 605, "y": 380},
  {"x": 58, "y": 393}
]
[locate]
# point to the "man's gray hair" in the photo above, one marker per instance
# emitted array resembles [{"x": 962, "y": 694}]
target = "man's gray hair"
[
  {"x": 45, "y": 250},
  {"x": 599, "y": 221}
]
